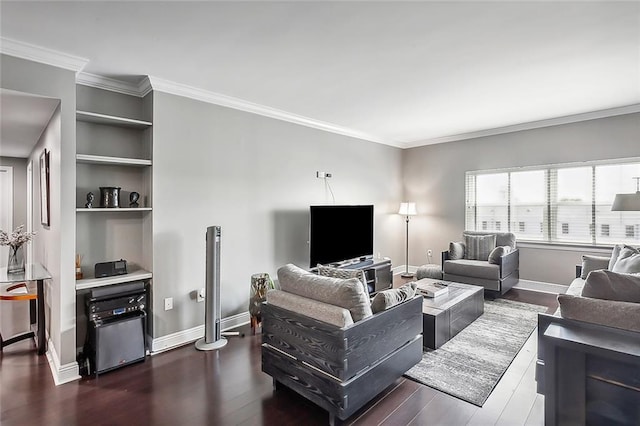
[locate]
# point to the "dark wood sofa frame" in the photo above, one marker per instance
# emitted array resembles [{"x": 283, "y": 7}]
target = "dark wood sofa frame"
[
  {"x": 341, "y": 369},
  {"x": 587, "y": 371}
]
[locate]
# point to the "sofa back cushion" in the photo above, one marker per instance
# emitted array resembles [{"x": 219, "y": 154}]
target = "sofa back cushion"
[
  {"x": 479, "y": 247},
  {"x": 624, "y": 315},
  {"x": 345, "y": 274},
  {"x": 502, "y": 238},
  {"x": 593, "y": 263},
  {"x": 331, "y": 314},
  {"x": 612, "y": 286},
  {"x": 348, "y": 294}
]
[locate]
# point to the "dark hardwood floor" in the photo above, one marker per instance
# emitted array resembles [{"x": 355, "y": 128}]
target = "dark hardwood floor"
[{"x": 188, "y": 387}]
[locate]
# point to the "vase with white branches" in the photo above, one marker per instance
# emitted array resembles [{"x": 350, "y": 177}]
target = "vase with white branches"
[{"x": 16, "y": 240}]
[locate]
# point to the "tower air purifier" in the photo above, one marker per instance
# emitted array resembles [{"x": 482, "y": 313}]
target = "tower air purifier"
[{"x": 212, "y": 334}]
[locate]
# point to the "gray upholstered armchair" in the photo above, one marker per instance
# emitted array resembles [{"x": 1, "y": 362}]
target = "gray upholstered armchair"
[
  {"x": 488, "y": 259},
  {"x": 322, "y": 339}
]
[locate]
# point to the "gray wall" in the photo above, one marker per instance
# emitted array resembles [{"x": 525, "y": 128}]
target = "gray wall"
[
  {"x": 54, "y": 245},
  {"x": 255, "y": 177},
  {"x": 19, "y": 188},
  {"x": 434, "y": 177}
]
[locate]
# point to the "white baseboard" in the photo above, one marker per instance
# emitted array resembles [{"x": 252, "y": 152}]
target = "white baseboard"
[
  {"x": 184, "y": 337},
  {"x": 401, "y": 269},
  {"x": 541, "y": 287},
  {"x": 61, "y": 373}
]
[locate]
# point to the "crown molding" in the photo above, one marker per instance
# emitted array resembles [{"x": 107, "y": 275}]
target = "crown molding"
[
  {"x": 108, "y": 83},
  {"x": 567, "y": 119},
  {"x": 31, "y": 52},
  {"x": 173, "y": 88}
]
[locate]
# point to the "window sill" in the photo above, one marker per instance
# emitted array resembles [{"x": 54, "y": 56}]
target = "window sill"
[{"x": 564, "y": 247}]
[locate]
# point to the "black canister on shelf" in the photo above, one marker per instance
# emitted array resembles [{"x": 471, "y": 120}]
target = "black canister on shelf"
[{"x": 109, "y": 196}]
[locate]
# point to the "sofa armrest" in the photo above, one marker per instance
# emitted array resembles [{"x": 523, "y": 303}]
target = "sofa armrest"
[
  {"x": 445, "y": 256},
  {"x": 509, "y": 263}
]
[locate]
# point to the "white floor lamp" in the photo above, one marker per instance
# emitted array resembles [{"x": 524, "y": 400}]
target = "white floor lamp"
[{"x": 407, "y": 209}]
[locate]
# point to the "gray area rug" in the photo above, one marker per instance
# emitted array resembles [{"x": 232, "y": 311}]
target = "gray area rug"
[{"x": 471, "y": 364}]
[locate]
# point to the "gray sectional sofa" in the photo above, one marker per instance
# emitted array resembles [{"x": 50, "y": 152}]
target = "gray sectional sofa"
[{"x": 588, "y": 363}]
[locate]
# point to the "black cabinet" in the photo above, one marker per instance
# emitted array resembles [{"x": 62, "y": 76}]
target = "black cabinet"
[{"x": 377, "y": 272}]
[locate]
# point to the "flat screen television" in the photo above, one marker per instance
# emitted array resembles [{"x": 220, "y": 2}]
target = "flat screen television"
[{"x": 340, "y": 233}]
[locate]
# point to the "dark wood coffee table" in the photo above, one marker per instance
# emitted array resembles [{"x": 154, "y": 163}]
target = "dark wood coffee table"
[{"x": 445, "y": 316}]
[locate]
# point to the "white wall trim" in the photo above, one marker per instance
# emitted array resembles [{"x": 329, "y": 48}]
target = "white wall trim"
[
  {"x": 179, "y": 89},
  {"x": 107, "y": 83},
  {"x": 31, "y": 52},
  {"x": 401, "y": 268},
  {"x": 61, "y": 373},
  {"x": 184, "y": 337},
  {"x": 575, "y": 118}
]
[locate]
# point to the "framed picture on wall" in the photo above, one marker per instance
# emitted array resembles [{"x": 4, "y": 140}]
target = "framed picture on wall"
[{"x": 44, "y": 188}]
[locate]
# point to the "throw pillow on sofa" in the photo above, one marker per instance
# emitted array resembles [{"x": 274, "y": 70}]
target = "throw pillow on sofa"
[
  {"x": 479, "y": 247},
  {"x": 347, "y": 294},
  {"x": 612, "y": 286},
  {"x": 389, "y": 298},
  {"x": 345, "y": 274},
  {"x": 497, "y": 253},
  {"x": 456, "y": 250},
  {"x": 593, "y": 263},
  {"x": 628, "y": 261},
  {"x": 614, "y": 255}
]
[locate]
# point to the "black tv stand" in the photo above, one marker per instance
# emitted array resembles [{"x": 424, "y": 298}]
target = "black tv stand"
[{"x": 376, "y": 271}]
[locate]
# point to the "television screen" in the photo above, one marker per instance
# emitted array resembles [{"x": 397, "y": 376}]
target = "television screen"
[{"x": 340, "y": 233}]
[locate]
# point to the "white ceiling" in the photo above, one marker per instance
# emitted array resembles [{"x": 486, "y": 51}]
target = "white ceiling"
[
  {"x": 23, "y": 118},
  {"x": 406, "y": 73}
]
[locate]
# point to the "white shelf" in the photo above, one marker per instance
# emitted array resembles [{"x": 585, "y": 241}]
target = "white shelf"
[
  {"x": 94, "y": 117},
  {"x": 120, "y": 161},
  {"x": 90, "y": 282},
  {"x": 113, "y": 209}
]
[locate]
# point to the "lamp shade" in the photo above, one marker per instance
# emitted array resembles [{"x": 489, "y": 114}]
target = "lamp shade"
[
  {"x": 626, "y": 203},
  {"x": 407, "y": 209}
]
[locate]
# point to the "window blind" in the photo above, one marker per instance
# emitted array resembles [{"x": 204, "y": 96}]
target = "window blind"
[{"x": 560, "y": 203}]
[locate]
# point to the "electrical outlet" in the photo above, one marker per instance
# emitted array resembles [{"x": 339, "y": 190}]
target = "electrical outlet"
[
  {"x": 168, "y": 303},
  {"x": 429, "y": 252},
  {"x": 200, "y": 297},
  {"x": 323, "y": 175}
]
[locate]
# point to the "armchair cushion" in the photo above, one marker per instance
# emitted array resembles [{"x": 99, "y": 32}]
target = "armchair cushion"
[
  {"x": 456, "y": 250},
  {"x": 331, "y": 314},
  {"x": 478, "y": 247},
  {"x": 389, "y": 298},
  {"x": 348, "y": 294},
  {"x": 612, "y": 286},
  {"x": 593, "y": 263},
  {"x": 473, "y": 268},
  {"x": 497, "y": 253}
]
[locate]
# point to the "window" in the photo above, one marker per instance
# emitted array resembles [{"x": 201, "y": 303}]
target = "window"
[{"x": 562, "y": 203}]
